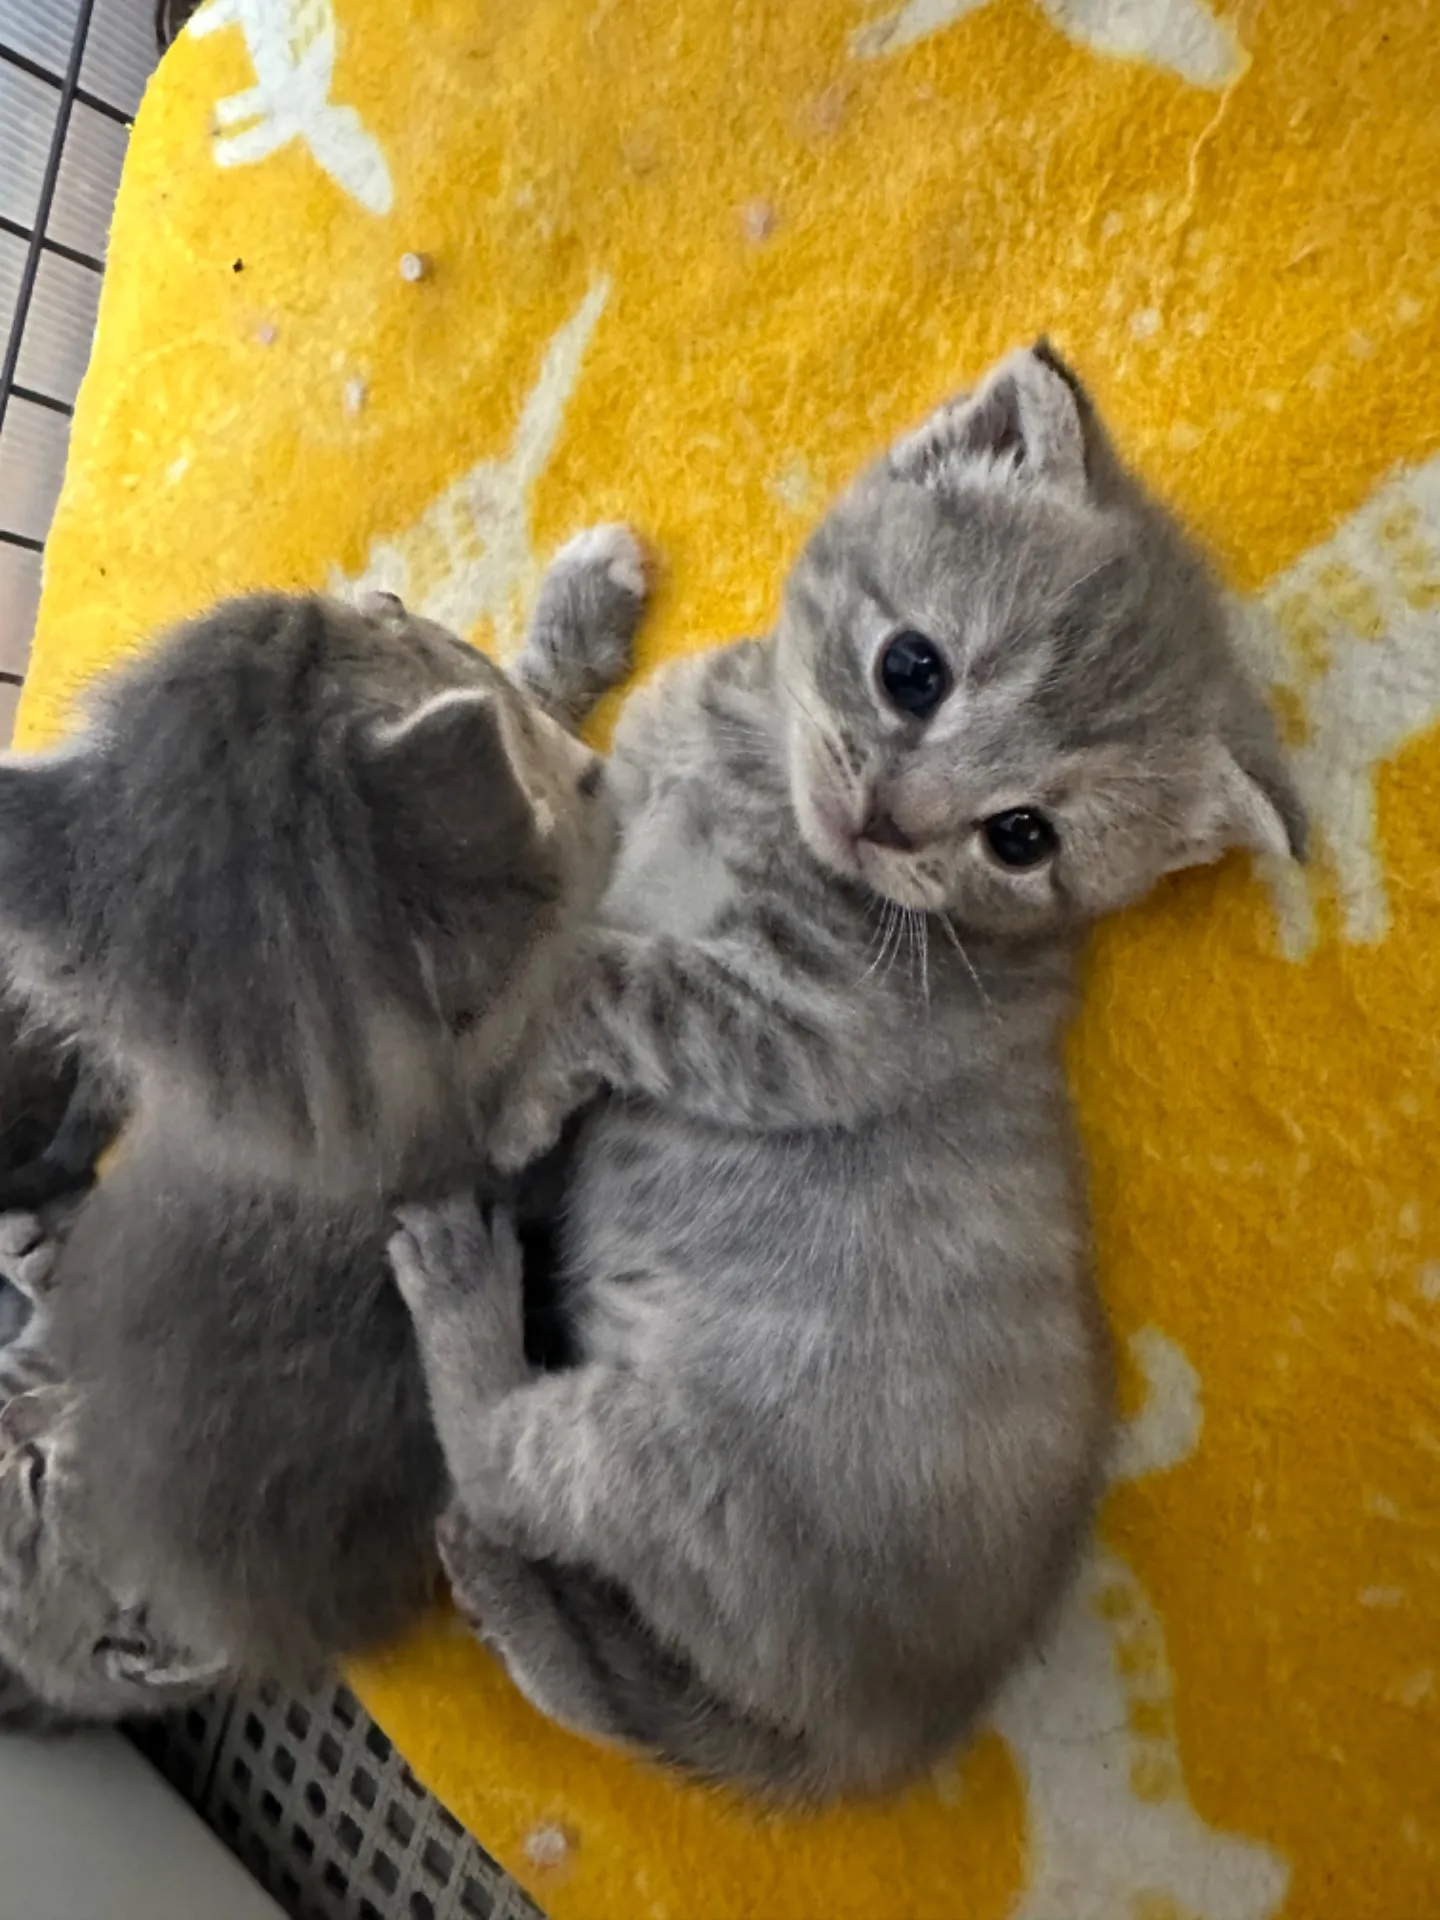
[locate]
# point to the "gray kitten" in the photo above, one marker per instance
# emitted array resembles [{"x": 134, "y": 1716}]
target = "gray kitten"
[
  {"x": 71, "y": 1648},
  {"x": 845, "y": 1386},
  {"x": 299, "y": 886}
]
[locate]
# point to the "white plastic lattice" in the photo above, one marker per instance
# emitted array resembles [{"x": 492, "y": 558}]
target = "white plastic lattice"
[{"x": 310, "y": 1794}]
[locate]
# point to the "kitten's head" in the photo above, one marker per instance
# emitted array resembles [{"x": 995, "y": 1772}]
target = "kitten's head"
[
  {"x": 1015, "y": 701},
  {"x": 306, "y": 870},
  {"x": 69, "y": 1647}
]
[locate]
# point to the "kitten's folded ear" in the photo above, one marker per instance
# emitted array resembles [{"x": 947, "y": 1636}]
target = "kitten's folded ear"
[
  {"x": 443, "y": 782},
  {"x": 1030, "y": 413},
  {"x": 1250, "y": 799}
]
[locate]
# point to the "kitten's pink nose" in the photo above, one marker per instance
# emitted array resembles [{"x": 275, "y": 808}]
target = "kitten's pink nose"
[{"x": 881, "y": 831}]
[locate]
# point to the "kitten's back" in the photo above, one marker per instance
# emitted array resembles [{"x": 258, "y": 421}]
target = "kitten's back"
[{"x": 284, "y": 1437}]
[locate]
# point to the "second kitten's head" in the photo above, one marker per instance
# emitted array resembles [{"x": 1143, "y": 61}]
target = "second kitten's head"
[
  {"x": 1014, "y": 698},
  {"x": 305, "y": 873},
  {"x": 70, "y": 1648}
]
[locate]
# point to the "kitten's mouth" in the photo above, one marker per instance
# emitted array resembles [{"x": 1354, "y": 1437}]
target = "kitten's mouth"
[{"x": 838, "y": 841}]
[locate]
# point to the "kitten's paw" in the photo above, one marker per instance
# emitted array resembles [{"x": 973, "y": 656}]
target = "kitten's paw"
[
  {"x": 532, "y": 1121},
  {"x": 611, "y": 549},
  {"x": 450, "y": 1247},
  {"x": 582, "y": 639},
  {"x": 27, "y": 1253},
  {"x": 132, "y": 1654}
]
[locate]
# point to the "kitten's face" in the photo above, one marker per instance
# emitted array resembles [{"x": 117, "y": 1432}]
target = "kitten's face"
[
  {"x": 64, "y": 1635},
  {"x": 1013, "y": 701}
]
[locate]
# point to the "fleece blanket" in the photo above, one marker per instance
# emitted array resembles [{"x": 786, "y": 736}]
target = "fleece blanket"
[{"x": 405, "y": 295}]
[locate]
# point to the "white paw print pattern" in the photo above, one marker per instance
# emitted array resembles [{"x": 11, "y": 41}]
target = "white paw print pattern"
[
  {"x": 1181, "y": 36},
  {"x": 469, "y": 557},
  {"x": 292, "y": 46},
  {"x": 1090, "y": 1720},
  {"x": 1348, "y": 640}
]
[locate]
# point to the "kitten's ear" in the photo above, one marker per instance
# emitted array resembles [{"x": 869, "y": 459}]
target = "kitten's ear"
[
  {"x": 1248, "y": 797},
  {"x": 1030, "y": 410},
  {"x": 445, "y": 775},
  {"x": 38, "y": 799}
]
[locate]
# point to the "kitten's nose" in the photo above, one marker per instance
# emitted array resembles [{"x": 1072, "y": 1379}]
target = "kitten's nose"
[{"x": 881, "y": 831}]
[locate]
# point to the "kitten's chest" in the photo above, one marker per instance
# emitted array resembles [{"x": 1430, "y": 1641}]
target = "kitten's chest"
[{"x": 674, "y": 874}]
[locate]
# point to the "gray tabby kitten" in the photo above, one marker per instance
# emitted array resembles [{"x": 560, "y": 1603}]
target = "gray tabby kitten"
[
  {"x": 300, "y": 885},
  {"x": 845, "y": 1387},
  {"x": 71, "y": 1648}
]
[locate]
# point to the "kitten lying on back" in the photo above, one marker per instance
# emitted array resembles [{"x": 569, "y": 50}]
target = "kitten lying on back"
[
  {"x": 302, "y": 883},
  {"x": 844, "y": 1392}
]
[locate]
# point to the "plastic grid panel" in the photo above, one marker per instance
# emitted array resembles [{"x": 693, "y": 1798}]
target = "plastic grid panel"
[
  {"x": 310, "y": 1795},
  {"x": 71, "y": 74}
]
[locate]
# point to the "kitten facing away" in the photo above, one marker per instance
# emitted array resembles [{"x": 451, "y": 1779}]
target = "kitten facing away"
[
  {"x": 299, "y": 885},
  {"x": 844, "y": 1388}
]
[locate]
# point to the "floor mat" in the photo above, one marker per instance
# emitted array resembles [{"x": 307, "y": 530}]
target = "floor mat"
[{"x": 406, "y": 296}]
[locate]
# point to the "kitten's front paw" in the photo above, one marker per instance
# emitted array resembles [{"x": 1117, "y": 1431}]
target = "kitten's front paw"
[
  {"x": 27, "y": 1253},
  {"x": 582, "y": 639},
  {"x": 611, "y": 550},
  {"x": 132, "y": 1654},
  {"x": 449, "y": 1247},
  {"x": 532, "y": 1121}
]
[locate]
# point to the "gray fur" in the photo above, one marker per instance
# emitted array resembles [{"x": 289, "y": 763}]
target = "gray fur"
[
  {"x": 845, "y": 1388},
  {"x": 303, "y": 881},
  {"x": 71, "y": 1648}
]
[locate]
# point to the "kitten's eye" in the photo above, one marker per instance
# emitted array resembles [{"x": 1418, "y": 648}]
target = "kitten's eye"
[
  {"x": 1020, "y": 837},
  {"x": 914, "y": 673}
]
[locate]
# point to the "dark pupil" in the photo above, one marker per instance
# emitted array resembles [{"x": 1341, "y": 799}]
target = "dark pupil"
[
  {"x": 1020, "y": 837},
  {"x": 914, "y": 674}
]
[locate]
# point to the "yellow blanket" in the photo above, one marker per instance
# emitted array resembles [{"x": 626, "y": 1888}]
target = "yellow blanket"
[{"x": 687, "y": 262}]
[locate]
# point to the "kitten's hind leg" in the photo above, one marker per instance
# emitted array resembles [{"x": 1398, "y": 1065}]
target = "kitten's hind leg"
[
  {"x": 509, "y": 1605},
  {"x": 568, "y": 1486},
  {"x": 461, "y": 1275},
  {"x": 581, "y": 638}
]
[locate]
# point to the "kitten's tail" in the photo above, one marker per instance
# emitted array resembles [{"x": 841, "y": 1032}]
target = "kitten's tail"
[{"x": 580, "y": 1652}]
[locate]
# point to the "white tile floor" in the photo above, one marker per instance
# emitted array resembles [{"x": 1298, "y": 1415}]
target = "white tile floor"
[{"x": 55, "y": 342}]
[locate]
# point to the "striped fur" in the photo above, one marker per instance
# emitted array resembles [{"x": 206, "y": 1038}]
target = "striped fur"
[{"x": 844, "y": 1390}]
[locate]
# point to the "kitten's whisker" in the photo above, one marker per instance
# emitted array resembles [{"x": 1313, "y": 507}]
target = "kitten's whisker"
[
  {"x": 802, "y": 706},
  {"x": 889, "y": 923},
  {"x": 922, "y": 936},
  {"x": 882, "y": 931},
  {"x": 958, "y": 944},
  {"x": 899, "y": 925}
]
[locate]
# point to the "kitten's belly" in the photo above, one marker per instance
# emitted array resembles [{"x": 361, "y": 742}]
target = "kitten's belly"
[
  {"x": 680, "y": 1235},
  {"x": 667, "y": 1218}
]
